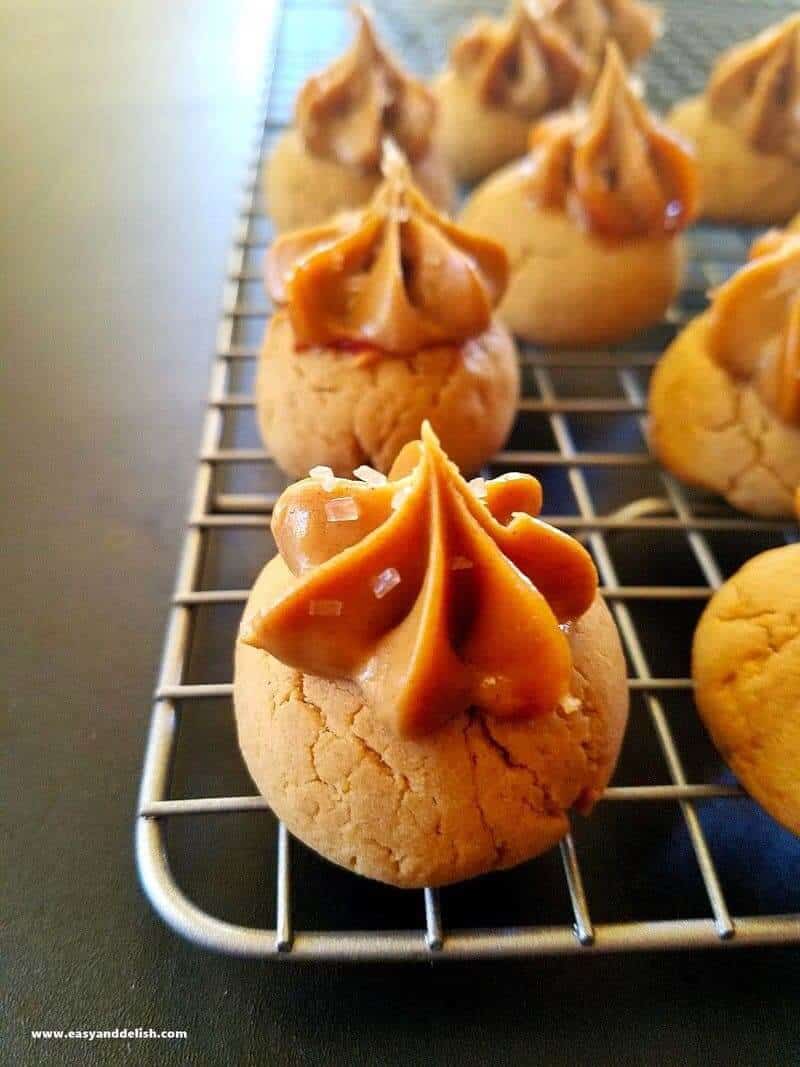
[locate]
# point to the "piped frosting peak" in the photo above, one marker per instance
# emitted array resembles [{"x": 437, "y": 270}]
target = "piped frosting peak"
[
  {"x": 345, "y": 112},
  {"x": 395, "y": 276},
  {"x": 430, "y": 593},
  {"x": 755, "y": 87},
  {"x": 613, "y": 167},
  {"x": 591, "y": 24},
  {"x": 755, "y": 323},
  {"x": 524, "y": 64}
]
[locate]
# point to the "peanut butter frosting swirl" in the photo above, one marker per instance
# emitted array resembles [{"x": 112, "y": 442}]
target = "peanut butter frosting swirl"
[
  {"x": 591, "y": 24},
  {"x": 396, "y": 276},
  {"x": 345, "y": 112},
  {"x": 523, "y": 64},
  {"x": 432, "y": 594},
  {"x": 755, "y": 87},
  {"x": 615, "y": 169},
  {"x": 755, "y": 323}
]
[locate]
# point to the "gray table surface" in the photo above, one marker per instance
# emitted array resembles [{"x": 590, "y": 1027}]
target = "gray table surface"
[{"x": 125, "y": 128}]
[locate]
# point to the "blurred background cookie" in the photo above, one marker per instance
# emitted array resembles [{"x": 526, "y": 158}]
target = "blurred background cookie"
[
  {"x": 591, "y": 219},
  {"x": 746, "y": 129},
  {"x": 329, "y": 160}
]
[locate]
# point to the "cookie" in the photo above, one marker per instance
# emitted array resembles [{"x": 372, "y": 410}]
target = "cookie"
[
  {"x": 746, "y": 668},
  {"x": 739, "y": 184},
  {"x": 719, "y": 434},
  {"x": 590, "y": 220},
  {"x": 329, "y": 160},
  {"x": 324, "y": 406},
  {"x": 746, "y": 129},
  {"x": 477, "y": 795}
]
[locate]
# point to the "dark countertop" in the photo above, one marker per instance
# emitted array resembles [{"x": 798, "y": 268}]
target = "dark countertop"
[{"x": 125, "y": 130}]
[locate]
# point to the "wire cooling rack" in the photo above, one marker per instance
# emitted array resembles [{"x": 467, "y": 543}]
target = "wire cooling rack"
[{"x": 675, "y": 855}]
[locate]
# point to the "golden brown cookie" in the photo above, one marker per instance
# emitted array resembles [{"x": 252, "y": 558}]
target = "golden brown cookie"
[
  {"x": 718, "y": 434},
  {"x": 303, "y": 189},
  {"x": 477, "y": 795},
  {"x": 327, "y": 407},
  {"x": 506, "y": 73},
  {"x": 746, "y": 129},
  {"x": 329, "y": 160},
  {"x": 591, "y": 220},
  {"x": 739, "y": 184},
  {"x": 566, "y": 286},
  {"x": 385, "y": 318},
  {"x": 725, "y": 396},
  {"x": 746, "y": 667}
]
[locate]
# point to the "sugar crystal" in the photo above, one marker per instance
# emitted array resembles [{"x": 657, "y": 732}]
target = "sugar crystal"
[
  {"x": 478, "y": 487},
  {"x": 341, "y": 509},
  {"x": 385, "y": 582},
  {"x": 369, "y": 475},
  {"x": 325, "y": 477}
]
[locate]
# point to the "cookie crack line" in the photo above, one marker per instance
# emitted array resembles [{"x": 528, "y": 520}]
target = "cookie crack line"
[
  {"x": 497, "y": 846},
  {"x": 550, "y": 807},
  {"x": 392, "y": 857},
  {"x": 756, "y": 441}
]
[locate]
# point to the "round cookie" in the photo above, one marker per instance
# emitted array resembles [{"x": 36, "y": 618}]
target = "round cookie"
[
  {"x": 323, "y": 405},
  {"x": 302, "y": 189},
  {"x": 746, "y": 667},
  {"x": 477, "y": 795},
  {"x": 739, "y": 184},
  {"x": 330, "y": 159},
  {"x": 475, "y": 139},
  {"x": 567, "y": 286},
  {"x": 718, "y": 433}
]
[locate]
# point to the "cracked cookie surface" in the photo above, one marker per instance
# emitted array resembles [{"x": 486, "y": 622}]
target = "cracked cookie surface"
[
  {"x": 477, "y": 795},
  {"x": 717, "y": 433},
  {"x": 322, "y": 406},
  {"x": 746, "y": 666}
]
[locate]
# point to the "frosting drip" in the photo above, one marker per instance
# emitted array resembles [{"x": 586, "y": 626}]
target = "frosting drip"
[
  {"x": 613, "y": 167},
  {"x": 396, "y": 276},
  {"x": 755, "y": 87},
  {"x": 431, "y": 594},
  {"x": 345, "y": 112},
  {"x": 755, "y": 323},
  {"x": 524, "y": 64}
]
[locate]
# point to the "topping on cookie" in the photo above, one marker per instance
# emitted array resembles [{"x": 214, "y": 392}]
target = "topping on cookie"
[
  {"x": 345, "y": 112},
  {"x": 396, "y": 276},
  {"x": 524, "y": 64},
  {"x": 613, "y": 167},
  {"x": 756, "y": 88},
  {"x": 755, "y": 323},
  {"x": 591, "y": 24},
  {"x": 449, "y": 601}
]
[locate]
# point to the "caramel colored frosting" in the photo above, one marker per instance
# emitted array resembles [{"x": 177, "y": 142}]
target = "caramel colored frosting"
[
  {"x": 591, "y": 24},
  {"x": 395, "y": 276},
  {"x": 432, "y": 594},
  {"x": 755, "y": 323},
  {"x": 524, "y": 64},
  {"x": 756, "y": 88},
  {"x": 613, "y": 167},
  {"x": 345, "y": 112}
]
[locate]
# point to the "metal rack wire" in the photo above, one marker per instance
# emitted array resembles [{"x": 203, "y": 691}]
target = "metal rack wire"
[{"x": 579, "y": 429}]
